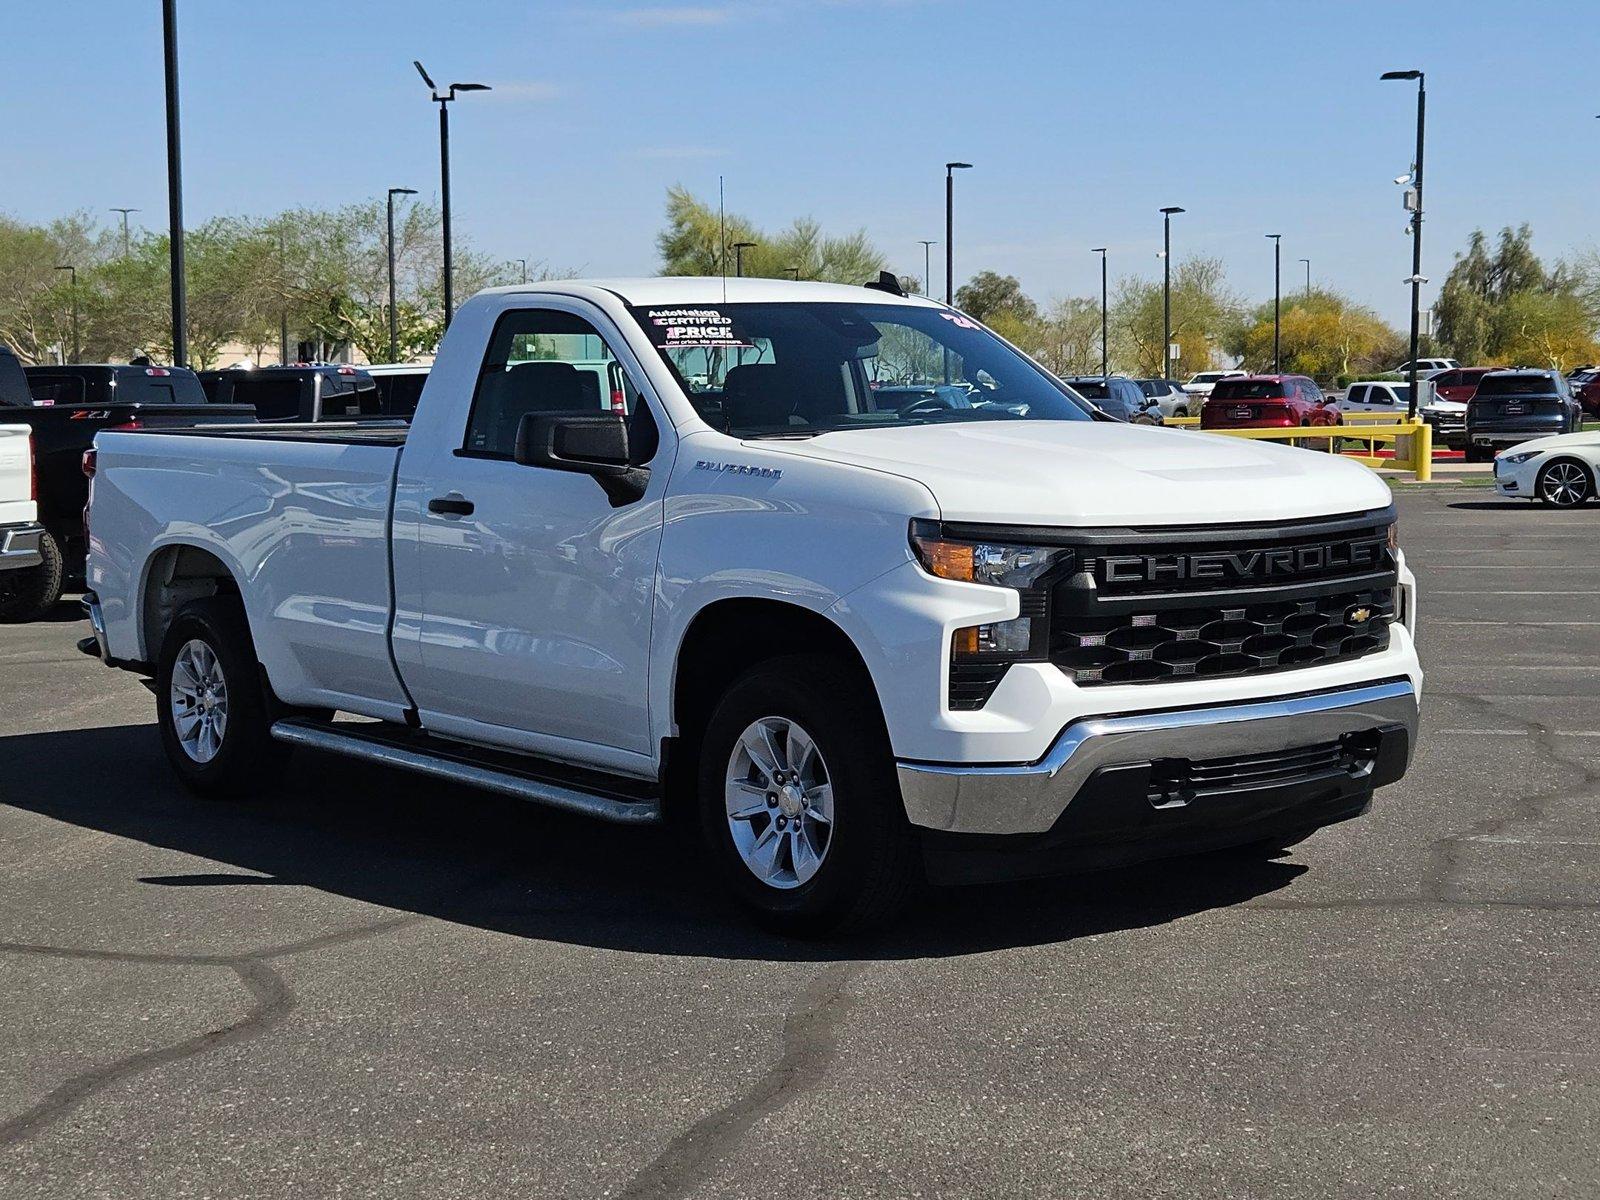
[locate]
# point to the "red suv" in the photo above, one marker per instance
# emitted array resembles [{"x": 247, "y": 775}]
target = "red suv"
[
  {"x": 1459, "y": 384},
  {"x": 1586, "y": 387},
  {"x": 1267, "y": 402}
]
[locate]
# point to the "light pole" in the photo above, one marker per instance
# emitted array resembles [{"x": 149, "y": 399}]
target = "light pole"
[
  {"x": 523, "y": 263},
  {"x": 74, "y": 289},
  {"x": 738, "y": 257},
  {"x": 950, "y": 168},
  {"x": 180, "y": 296},
  {"x": 125, "y": 212},
  {"x": 1307, "y": 262},
  {"x": 283, "y": 307},
  {"x": 1416, "y": 231},
  {"x": 394, "y": 323},
  {"x": 927, "y": 265},
  {"x": 1277, "y": 302},
  {"x": 1105, "y": 353},
  {"x": 1166, "y": 291},
  {"x": 443, "y": 99}
]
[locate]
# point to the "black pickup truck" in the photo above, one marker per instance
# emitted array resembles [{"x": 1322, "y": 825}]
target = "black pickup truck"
[
  {"x": 67, "y": 406},
  {"x": 305, "y": 392}
]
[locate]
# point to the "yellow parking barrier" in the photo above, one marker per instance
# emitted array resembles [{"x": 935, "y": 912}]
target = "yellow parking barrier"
[{"x": 1412, "y": 440}]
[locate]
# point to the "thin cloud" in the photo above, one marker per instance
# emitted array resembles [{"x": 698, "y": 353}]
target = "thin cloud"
[
  {"x": 673, "y": 16},
  {"x": 678, "y": 152},
  {"x": 527, "y": 90}
]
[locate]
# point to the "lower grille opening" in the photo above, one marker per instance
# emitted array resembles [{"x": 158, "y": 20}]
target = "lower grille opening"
[
  {"x": 1175, "y": 782},
  {"x": 972, "y": 683}
]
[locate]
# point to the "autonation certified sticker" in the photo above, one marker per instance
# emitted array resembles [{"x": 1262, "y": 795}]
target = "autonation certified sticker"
[{"x": 694, "y": 327}]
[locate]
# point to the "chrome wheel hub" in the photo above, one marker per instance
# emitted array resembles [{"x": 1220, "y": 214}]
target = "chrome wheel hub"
[
  {"x": 199, "y": 701},
  {"x": 779, "y": 799}
]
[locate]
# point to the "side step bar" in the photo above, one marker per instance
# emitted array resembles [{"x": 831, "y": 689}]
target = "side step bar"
[{"x": 456, "y": 765}]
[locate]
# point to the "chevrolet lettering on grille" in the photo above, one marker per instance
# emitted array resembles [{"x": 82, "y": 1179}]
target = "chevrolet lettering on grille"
[{"x": 1245, "y": 565}]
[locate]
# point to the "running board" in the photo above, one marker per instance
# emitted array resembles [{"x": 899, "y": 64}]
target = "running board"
[{"x": 455, "y": 762}]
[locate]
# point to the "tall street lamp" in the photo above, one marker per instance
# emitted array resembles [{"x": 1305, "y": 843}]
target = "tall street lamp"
[
  {"x": 1166, "y": 290},
  {"x": 1307, "y": 262},
  {"x": 738, "y": 257},
  {"x": 180, "y": 296},
  {"x": 950, "y": 168},
  {"x": 927, "y": 265},
  {"x": 125, "y": 212},
  {"x": 394, "y": 325},
  {"x": 443, "y": 99},
  {"x": 1277, "y": 302},
  {"x": 74, "y": 289},
  {"x": 1414, "y": 203},
  {"x": 1105, "y": 353},
  {"x": 523, "y": 263}
]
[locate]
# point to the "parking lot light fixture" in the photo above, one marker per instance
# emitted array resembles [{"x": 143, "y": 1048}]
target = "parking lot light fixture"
[
  {"x": 180, "y": 294},
  {"x": 1414, "y": 203},
  {"x": 443, "y": 99},
  {"x": 1166, "y": 291},
  {"x": 394, "y": 328},
  {"x": 1307, "y": 262},
  {"x": 1277, "y": 302},
  {"x": 950, "y": 168},
  {"x": 73, "y": 288},
  {"x": 125, "y": 212},
  {"x": 1105, "y": 354},
  {"x": 738, "y": 257},
  {"x": 927, "y": 265}
]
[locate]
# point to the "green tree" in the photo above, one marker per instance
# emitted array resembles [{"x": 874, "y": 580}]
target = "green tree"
[
  {"x": 988, "y": 295},
  {"x": 1324, "y": 335},
  {"x": 692, "y": 244},
  {"x": 1204, "y": 311}
]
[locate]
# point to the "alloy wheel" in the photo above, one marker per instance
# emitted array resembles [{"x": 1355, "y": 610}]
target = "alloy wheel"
[
  {"x": 779, "y": 799},
  {"x": 1564, "y": 484},
  {"x": 199, "y": 701}
]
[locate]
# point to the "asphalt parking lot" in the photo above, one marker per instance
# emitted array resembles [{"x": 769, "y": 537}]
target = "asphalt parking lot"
[{"x": 373, "y": 986}]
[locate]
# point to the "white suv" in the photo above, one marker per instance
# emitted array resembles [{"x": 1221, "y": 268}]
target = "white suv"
[{"x": 1201, "y": 383}]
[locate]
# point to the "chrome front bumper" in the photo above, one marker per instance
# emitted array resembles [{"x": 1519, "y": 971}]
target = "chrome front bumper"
[
  {"x": 1031, "y": 797},
  {"x": 19, "y": 546}
]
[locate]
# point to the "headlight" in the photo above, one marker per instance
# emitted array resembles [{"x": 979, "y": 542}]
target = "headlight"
[
  {"x": 1515, "y": 459},
  {"x": 1001, "y": 564},
  {"x": 1394, "y": 537}
]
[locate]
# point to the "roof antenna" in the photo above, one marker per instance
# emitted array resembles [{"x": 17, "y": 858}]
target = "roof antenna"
[{"x": 722, "y": 220}]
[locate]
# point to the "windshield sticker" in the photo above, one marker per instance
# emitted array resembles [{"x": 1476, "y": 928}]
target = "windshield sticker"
[
  {"x": 959, "y": 321},
  {"x": 689, "y": 327}
]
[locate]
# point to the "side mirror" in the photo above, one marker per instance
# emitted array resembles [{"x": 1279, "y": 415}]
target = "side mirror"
[{"x": 591, "y": 445}]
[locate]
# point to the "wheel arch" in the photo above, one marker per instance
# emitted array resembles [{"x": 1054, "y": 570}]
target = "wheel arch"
[{"x": 175, "y": 574}]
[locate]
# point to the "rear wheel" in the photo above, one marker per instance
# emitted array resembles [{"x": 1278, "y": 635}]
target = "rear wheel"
[
  {"x": 799, "y": 802},
  {"x": 1564, "y": 483},
  {"x": 30, "y": 593},
  {"x": 211, "y": 703}
]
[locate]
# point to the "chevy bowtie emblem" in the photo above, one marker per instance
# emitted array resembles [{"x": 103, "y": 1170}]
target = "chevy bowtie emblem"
[{"x": 1360, "y": 616}]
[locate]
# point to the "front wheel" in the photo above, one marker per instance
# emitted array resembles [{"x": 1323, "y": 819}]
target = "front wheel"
[
  {"x": 799, "y": 801},
  {"x": 1564, "y": 483},
  {"x": 211, "y": 703}
]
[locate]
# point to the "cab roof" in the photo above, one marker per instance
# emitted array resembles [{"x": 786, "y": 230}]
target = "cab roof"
[{"x": 713, "y": 289}]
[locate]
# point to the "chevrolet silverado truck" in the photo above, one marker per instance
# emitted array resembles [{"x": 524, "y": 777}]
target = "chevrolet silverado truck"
[{"x": 845, "y": 579}]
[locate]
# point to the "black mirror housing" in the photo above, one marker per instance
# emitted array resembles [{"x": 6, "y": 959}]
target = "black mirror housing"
[{"x": 594, "y": 444}]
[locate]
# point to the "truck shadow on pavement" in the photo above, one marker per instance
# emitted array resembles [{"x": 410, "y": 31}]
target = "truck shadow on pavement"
[{"x": 455, "y": 854}]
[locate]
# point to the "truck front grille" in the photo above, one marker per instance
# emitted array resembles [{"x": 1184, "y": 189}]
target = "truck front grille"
[
  {"x": 1173, "y": 604},
  {"x": 1145, "y": 647}
]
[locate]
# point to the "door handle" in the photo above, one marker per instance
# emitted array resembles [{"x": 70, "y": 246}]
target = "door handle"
[{"x": 454, "y": 505}]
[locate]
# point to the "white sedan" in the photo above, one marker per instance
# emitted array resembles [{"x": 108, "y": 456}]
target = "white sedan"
[{"x": 1559, "y": 470}]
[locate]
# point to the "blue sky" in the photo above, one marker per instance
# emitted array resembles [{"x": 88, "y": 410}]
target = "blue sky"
[{"x": 1082, "y": 120}]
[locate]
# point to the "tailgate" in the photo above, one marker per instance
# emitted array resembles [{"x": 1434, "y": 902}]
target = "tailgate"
[{"x": 16, "y": 474}]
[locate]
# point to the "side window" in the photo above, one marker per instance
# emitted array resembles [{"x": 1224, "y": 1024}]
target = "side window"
[
  {"x": 1357, "y": 394},
  {"x": 541, "y": 360}
]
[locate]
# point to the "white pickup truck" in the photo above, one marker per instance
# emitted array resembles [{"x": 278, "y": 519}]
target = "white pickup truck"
[
  {"x": 843, "y": 577},
  {"x": 20, "y": 531}
]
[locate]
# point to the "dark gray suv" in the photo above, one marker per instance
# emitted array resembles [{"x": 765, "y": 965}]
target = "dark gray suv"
[
  {"x": 1518, "y": 406},
  {"x": 1115, "y": 394}
]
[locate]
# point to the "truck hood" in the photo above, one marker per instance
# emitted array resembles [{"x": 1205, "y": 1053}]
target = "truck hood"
[{"x": 1082, "y": 473}]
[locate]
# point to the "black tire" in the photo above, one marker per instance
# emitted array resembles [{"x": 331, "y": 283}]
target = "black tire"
[
  {"x": 30, "y": 593},
  {"x": 870, "y": 864},
  {"x": 1578, "y": 488},
  {"x": 245, "y": 758}
]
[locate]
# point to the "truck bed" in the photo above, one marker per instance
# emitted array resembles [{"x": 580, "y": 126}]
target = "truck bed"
[{"x": 344, "y": 433}]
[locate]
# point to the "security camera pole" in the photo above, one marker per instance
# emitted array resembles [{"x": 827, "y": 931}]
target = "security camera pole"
[
  {"x": 443, "y": 100},
  {"x": 1414, "y": 202}
]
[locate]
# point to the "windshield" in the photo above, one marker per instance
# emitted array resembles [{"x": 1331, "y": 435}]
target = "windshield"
[
  {"x": 799, "y": 369},
  {"x": 1516, "y": 385},
  {"x": 1207, "y": 377}
]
